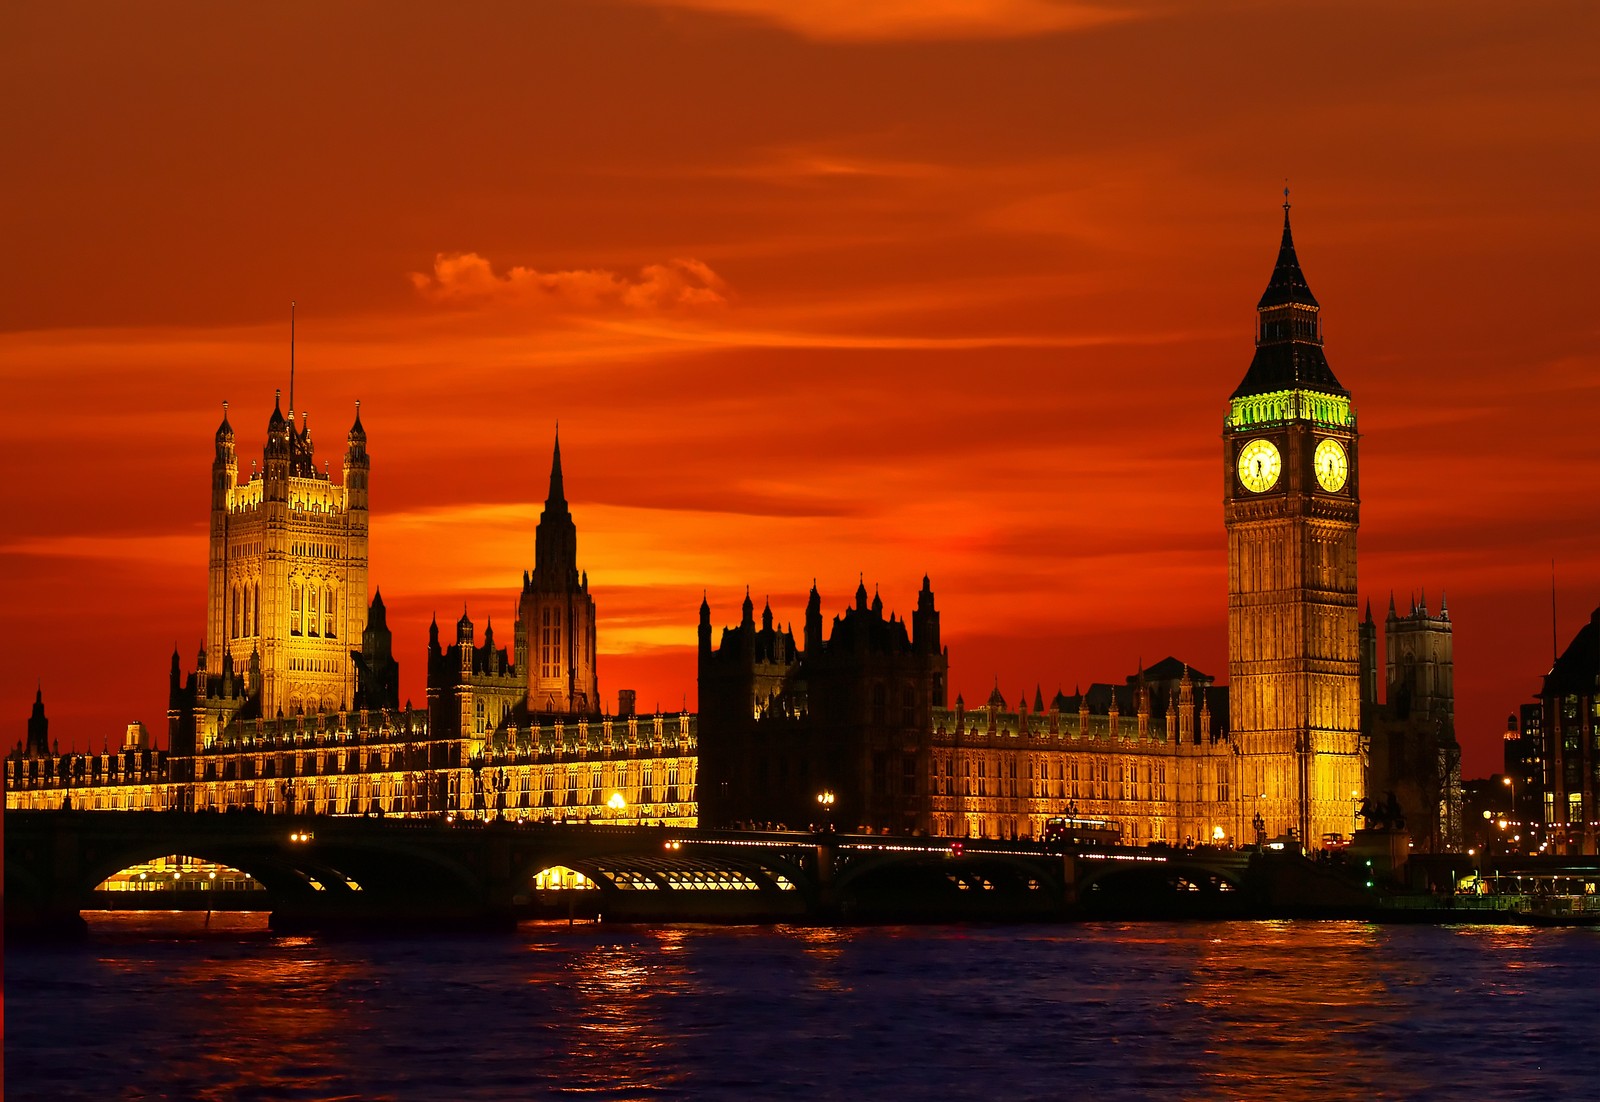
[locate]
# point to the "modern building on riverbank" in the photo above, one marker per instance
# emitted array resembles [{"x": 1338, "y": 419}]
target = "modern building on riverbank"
[{"x": 1570, "y": 722}]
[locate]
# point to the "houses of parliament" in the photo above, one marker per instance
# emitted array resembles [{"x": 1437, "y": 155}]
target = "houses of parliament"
[{"x": 293, "y": 703}]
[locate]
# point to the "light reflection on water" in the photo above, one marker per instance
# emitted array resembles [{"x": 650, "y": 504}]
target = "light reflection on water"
[{"x": 162, "y": 1006}]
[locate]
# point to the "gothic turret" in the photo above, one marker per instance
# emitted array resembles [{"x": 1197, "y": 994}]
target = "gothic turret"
[
  {"x": 378, "y": 685},
  {"x": 38, "y": 729},
  {"x": 357, "y": 464},
  {"x": 225, "y": 466},
  {"x": 925, "y": 621},
  {"x": 303, "y": 449},
  {"x": 813, "y": 629}
]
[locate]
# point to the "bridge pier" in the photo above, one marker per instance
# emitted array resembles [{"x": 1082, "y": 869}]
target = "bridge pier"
[
  {"x": 1069, "y": 880},
  {"x": 27, "y": 920},
  {"x": 827, "y": 904}
]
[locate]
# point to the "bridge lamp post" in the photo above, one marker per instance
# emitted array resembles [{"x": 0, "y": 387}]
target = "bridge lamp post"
[
  {"x": 825, "y": 802},
  {"x": 618, "y": 803},
  {"x": 1511, "y": 783},
  {"x": 1256, "y": 824},
  {"x": 1483, "y": 854}
]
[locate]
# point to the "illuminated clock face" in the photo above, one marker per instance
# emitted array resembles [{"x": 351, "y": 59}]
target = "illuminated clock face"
[
  {"x": 1259, "y": 465},
  {"x": 1333, "y": 467}
]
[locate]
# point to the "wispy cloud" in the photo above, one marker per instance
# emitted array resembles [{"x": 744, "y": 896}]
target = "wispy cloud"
[
  {"x": 163, "y": 550},
  {"x": 893, "y": 20},
  {"x": 467, "y": 279}
]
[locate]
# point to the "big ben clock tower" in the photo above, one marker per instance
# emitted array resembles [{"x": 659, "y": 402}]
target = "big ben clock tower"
[{"x": 1291, "y": 505}]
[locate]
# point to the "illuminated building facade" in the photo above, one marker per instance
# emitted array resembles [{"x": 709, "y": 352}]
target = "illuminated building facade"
[
  {"x": 1151, "y": 754},
  {"x": 293, "y": 705},
  {"x": 1523, "y": 764},
  {"x": 858, "y": 717},
  {"x": 283, "y": 712},
  {"x": 1291, "y": 507},
  {"x": 287, "y": 592}
]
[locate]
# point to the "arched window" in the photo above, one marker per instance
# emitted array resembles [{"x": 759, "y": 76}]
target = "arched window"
[
  {"x": 327, "y": 614},
  {"x": 233, "y": 599},
  {"x": 312, "y": 621},
  {"x": 294, "y": 609}
]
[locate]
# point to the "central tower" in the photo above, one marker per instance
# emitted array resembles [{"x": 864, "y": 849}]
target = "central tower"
[
  {"x": 1291, "y": 506},
  {"x": 555, "y": 615}
]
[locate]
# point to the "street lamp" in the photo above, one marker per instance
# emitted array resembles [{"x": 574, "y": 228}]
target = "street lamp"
[
  {"x": 1355, "y": 804},
  {"x": 825, "y": 802},
  {"x": 617, "y": 803}
]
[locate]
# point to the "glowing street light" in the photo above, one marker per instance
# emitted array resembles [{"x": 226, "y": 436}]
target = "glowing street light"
[{"x": 825, "y": 802}]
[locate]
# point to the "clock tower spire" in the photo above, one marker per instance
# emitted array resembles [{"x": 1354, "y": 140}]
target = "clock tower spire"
[{"x": 1291, "y": 509}]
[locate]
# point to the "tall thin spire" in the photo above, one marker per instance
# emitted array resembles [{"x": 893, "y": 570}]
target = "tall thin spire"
[
  {"x": 555, "y": 540},
  {"x": 291, "y": 355},
  {"x": 558, "y": 490},
  {"x": 1288, "y": 282}
]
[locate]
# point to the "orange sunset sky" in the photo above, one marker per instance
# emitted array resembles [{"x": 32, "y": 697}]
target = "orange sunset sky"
[{"x": 818, "y": 289}]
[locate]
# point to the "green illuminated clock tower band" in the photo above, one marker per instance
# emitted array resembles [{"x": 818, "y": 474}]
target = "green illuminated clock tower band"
[{"x": 1291, "y": 506}]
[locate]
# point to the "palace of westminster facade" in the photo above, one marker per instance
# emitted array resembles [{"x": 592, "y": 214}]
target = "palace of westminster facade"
[{"x": 293, "y": 704}]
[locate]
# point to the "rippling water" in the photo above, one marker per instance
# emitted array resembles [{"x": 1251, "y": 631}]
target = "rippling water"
[{"x": 158, "y": 1006}]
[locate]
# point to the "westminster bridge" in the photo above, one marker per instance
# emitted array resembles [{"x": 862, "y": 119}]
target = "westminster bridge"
[{"x": 368, "y": 872}]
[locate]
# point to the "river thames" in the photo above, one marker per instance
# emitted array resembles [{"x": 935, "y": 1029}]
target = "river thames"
[{"x": 162, "y": 1006}]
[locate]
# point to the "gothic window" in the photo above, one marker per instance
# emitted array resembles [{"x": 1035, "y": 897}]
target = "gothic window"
[
  {"x": 878, "y": 699},
  {"x": 255, "y": 609},
  {"x": 908, "y": 707},
  {"x": 327, "y": 613},
  {"x": 549, "y": 640},
  {"x": 647, "y": 776},
  {"x": 233, "y": 600},
  {"x": 294, "y": 609},
  {"x": 313, "y": 623}
]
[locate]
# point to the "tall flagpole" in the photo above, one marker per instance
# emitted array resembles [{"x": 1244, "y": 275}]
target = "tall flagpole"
[{"x": 1554, "y": 653}]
